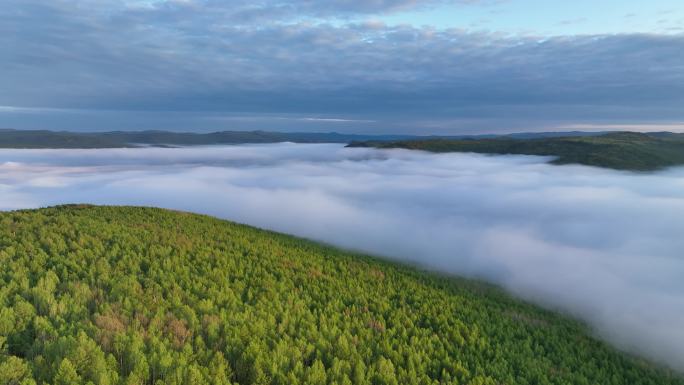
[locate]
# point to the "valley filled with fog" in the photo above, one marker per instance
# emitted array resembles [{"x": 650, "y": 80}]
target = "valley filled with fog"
[{"x": 602, "y": 245}]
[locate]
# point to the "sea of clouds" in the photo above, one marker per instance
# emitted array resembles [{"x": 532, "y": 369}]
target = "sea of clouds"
[{"x": 603, "y": 245}]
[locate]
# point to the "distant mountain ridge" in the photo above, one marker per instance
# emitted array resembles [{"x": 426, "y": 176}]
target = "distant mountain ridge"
[
  {"x": 10, "y": 138},
  {"x": 632, "y": 151},
  {"x": 36, "y": 139}
]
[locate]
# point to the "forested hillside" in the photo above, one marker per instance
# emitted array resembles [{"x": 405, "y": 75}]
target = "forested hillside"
[
  {"x": 617, "y": 150},
  {"x": 106, "y": 295}
]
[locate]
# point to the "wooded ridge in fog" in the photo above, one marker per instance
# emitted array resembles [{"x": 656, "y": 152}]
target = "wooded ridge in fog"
[{"x": 618, "y": 150}]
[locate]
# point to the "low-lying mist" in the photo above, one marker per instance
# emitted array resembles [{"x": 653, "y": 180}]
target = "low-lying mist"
[{"x": 605, "y": 246}]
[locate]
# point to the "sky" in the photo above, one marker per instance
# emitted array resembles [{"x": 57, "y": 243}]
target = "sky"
[
  {"x": 601, "y": 245},
  {"x": 356, "y": 66},
  {"x": 548, "y": 18}
]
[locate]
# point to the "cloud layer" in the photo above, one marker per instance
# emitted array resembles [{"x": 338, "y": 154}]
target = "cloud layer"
[
  {"x": 602, "y": 245},
  {"x": 310, "y": 57}
]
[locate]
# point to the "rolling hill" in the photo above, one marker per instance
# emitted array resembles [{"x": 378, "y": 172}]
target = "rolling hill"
[{"x": 125, "y": 295}]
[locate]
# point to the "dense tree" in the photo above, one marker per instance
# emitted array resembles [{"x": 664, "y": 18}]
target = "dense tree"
[
  {"x": 110, "y": 296},
  {"x": 618, "y": 150}
]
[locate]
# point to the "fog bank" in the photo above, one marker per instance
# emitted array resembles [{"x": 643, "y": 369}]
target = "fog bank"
[{"x": 606, "y": 246}]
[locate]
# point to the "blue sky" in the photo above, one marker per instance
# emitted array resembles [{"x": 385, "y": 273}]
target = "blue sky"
[
  {"x": 544, "y": 17},
  {"x": 381, "y": 66}
]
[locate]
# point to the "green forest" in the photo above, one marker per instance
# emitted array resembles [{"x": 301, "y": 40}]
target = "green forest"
[
  {"x": 631, "y": 151},
  {"x": 124, "y": 295}
]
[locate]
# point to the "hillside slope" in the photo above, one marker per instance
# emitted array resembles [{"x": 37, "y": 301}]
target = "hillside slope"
[
  {"x": 121, "y": 295},
  {"x": 618, "y": 150}
]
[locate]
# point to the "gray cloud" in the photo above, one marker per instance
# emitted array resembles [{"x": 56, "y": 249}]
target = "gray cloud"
[
  {"x": 212, "y": 56},
  {"x": 602, "y": 245}
]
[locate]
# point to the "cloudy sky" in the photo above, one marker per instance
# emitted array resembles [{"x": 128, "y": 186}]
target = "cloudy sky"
[{"x": 373, "y": 66}]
